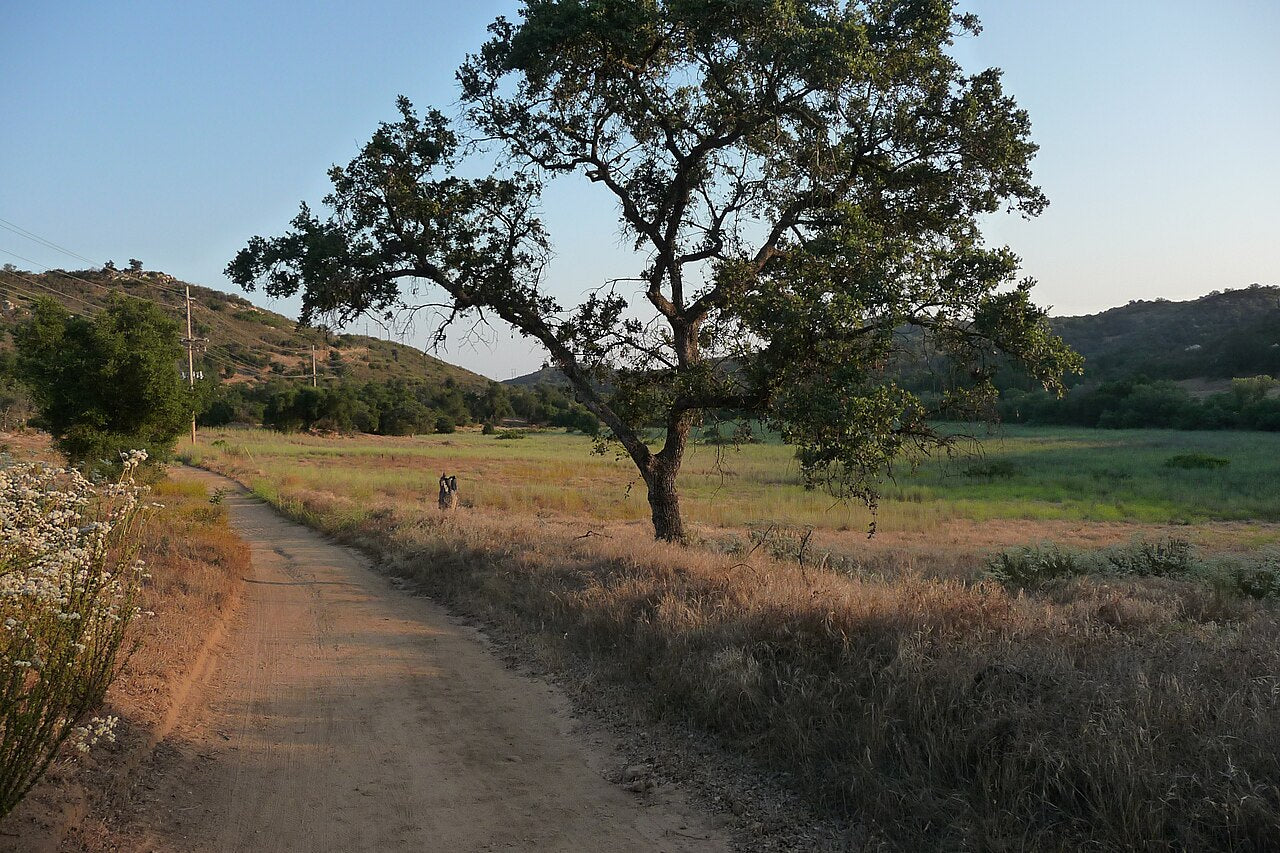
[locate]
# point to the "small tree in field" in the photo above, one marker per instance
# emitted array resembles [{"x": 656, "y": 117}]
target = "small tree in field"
[
  {"x": 805, "y": 180},
  {"x": 106, "y": 384}
]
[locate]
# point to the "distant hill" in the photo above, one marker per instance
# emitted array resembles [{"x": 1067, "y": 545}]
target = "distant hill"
[
  {"x": 545, "y": 376},
  {"x": 245, "y": 343},
  {"x": 1223, "y": 335},
  {"x": 1201, "y": 343}
]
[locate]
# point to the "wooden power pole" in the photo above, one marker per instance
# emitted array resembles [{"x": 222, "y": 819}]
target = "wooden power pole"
[
  {"x": 191, "y": 343},
  {"x": 313, "y": 365}
]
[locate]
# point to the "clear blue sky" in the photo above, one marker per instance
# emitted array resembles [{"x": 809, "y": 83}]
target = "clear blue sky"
[{"x": 172, "y": 132}]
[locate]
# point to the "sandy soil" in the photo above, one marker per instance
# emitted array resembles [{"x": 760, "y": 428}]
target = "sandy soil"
[{"x": 339, "y": 713}]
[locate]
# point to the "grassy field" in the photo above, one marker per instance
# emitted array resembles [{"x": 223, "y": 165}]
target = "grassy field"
[
  {"x": 1019, "y": 473},
  {"x": 1116, "y": 694}
]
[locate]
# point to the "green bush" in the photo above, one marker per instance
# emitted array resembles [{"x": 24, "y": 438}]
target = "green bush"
[
  {"x": 1258, "y": 581},
  {"x": 1172, "y": 558},
  {"x": 1031, "y": 567},
  {"x": 997, "y": 469},
  {"x": 1196, "y": 460}
]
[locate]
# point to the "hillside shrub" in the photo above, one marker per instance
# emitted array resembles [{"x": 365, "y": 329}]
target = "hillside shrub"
[
  {"x": 1031, "y": 568},
  {"x": 1258, "y": 582}
]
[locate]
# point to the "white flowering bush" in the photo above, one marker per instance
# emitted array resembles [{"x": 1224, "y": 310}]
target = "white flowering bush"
[{"x": 69, "y": 582}]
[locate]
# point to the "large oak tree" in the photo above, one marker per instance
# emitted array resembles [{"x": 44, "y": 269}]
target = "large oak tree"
[{"x": 805, "y": 181}]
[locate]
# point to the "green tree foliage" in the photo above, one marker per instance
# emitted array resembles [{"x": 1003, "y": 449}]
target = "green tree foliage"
[
  {"x": 804, "y": 180},
  {"x": 495, "y": 404},
  {"x": 105, "y": 384},
  {"x": 15, "y": 399},
  {"x": 394, "y": 407},
  {"x": 578, "y": 419}
]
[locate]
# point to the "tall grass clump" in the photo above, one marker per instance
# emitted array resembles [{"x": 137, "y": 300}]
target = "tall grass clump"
[{"x": 69, "y": 584}]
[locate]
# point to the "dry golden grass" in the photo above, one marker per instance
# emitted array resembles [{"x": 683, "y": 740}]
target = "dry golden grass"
[
  {"x": 197, "y": 565},
  {"x": 952, "y": 713}
]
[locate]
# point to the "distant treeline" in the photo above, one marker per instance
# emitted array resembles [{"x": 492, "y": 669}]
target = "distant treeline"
[
  {"x": 1141, "y": 402},
  {"x": 395, "y": 407}
]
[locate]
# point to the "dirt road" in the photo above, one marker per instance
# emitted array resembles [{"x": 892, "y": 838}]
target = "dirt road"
[{"x": 338, "y": 713}]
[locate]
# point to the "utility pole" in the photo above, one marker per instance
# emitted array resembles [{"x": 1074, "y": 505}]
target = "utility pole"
[
  {"x": 313, "y": 365},
  {"x": 191, "y": 343}
]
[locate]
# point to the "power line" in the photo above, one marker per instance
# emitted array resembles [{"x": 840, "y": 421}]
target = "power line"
[
  {"x": 23, "y": 232},
  {"x": 21, "y": 258},
  {"x": 18, "y": 229},
  {"x": 226, "y": 360},
  {"x": 33, "y": 297},
  {"x": 225, "y": 363},
  {"x": 232, "y": 332},
  {"x": 227, "y": 328},
  {"x": 29, "y": 295},
  {"x": 225, "y": 357},
  {"x": 228, "y": 357}
]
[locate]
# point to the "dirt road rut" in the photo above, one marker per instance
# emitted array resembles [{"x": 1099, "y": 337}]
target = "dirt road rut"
[{"x": 338, "y": 713}]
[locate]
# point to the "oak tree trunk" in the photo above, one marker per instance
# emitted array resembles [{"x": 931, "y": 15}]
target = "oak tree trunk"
[{"x": 664, "y": 501}]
